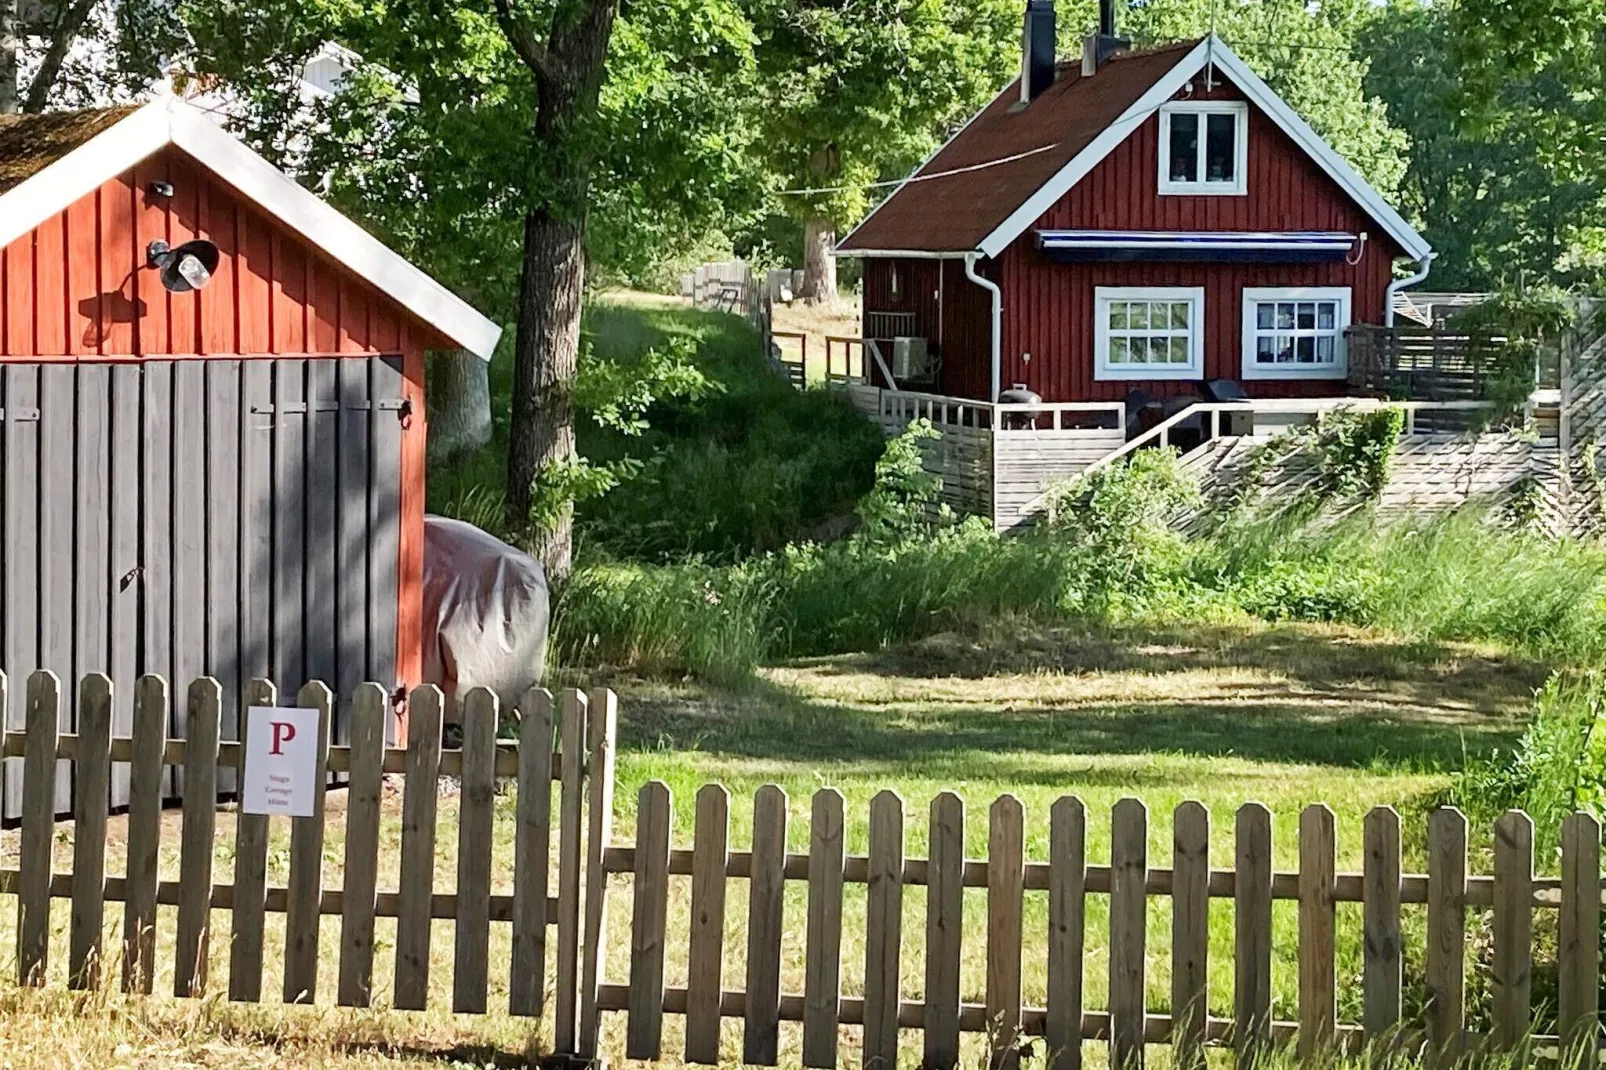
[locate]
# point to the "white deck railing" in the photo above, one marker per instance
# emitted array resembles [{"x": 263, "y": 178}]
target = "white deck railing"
[{"x": 943, "y": 410}]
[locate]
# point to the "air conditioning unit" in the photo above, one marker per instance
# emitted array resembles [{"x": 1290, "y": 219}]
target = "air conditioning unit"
[{"x": 911, "y": 358}]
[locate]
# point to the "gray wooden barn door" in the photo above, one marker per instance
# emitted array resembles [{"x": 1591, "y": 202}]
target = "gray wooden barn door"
[{"x": 233, "y": 518}]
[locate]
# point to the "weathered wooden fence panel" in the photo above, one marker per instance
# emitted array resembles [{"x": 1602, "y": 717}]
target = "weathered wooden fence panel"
[
  {"x": 893, "y": 1004},
  {"x": 940, "y": 1010},
  {"x": 583, "y": 771}
]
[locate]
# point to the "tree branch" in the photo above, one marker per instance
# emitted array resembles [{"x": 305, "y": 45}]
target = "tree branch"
[
  {"x": 62, "y": 35},
  {"x": 530, "y": 53}
]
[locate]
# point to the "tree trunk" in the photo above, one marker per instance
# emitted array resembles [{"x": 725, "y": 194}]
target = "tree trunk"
[
  {"x": 9, "y": 47},
  {"x": 459, "y": 401},
  {"x": 69, "y": 23},
  {"x": 568, "y": 79},
  {"x": 819, "y": 266},
  {"x": 546, "y": 352}
]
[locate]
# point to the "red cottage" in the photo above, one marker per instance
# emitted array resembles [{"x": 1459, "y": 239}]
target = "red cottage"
[
  {"x": 1110, "y": 242},
  {"x": 211, "y": 417}
]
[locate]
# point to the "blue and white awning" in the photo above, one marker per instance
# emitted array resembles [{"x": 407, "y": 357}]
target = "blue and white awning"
[{"x": 1215, "y": 246}]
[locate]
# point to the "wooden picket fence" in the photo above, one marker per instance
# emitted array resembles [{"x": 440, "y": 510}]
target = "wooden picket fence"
[
  {"x": 572, "y": 741},
  {"x": 581, "y": 764},
  {"x": 1126, "y": 1024}
]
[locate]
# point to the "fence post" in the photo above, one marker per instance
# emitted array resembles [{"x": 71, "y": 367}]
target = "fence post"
[
  {"x": 1251, "y": 959},
  {"x": 204, "y": 708},
  {"x": 144, "y": 833},
  {"x": 1447, "y": 932},
  {"x": 705, "y": 957},
  {"x": 1381, "y": 974},
  {"x": 250, "y": 874},
  {"x": 883, "y": 929},
  {"x": 532, "y": 854},
  {"x": 650, "y": 891},
  {"x": 1318, "y": 997},
  {"x": 1006, "y": 880},
  {"x": 420, "y": 794},
  {"x": 1067, "y": 882},
  {"x": 1190, "y": 932},
  {"x": 38, "y": 827},
  {"x": 471, "y": 944},
  {"x": 1511, "y": 974},
  {"x": 604, "y": 725},
  {"x": 91, "y": 797},
  {"x": 1129, "y": 871},
  {"x": 572, "y": 736},
  {"x": 301, "y": 917},
  {"x": 1579, "y": 943},
  {"x": 765, "y": 923},
  {"x": 822, "y": 968},
  {"x": 945, "y": 875}
]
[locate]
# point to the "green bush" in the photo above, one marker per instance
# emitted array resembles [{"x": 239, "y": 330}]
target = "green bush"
[{"x": 1558, "y": 767}]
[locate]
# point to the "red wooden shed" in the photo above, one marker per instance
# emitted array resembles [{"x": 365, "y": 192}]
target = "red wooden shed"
[{"x": 223, "y": 479}]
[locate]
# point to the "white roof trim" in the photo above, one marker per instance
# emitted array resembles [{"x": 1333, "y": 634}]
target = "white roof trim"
[
  {"x": 907, "y": 254},
  {"x": 170, "y": 121},
  {"x": 1211, "y": 49}
]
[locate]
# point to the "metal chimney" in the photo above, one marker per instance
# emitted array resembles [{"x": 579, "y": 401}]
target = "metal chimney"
[
  {"x": 1098, "y": 47},
  {"x": 1037, "y": 50}
]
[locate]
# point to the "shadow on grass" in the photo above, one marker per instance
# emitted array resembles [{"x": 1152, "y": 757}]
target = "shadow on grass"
[{"x": 1311, "y": 697}]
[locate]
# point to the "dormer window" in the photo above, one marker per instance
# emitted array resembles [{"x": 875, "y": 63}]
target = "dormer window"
[{"x": 1204, "y": 147}]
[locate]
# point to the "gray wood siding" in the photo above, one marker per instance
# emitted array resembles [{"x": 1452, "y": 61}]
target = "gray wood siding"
[{"x": 232, "y": 518}]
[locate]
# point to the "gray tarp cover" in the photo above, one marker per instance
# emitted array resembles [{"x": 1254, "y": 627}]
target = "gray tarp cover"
[{"x": 485, "y": 612}]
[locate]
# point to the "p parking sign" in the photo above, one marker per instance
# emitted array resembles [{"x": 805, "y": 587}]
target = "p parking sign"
[{"x": 281, "y": 761}]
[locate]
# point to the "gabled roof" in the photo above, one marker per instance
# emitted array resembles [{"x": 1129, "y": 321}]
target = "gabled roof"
[
  {"x": 1008, "y": 165},
  {"x": 49, "y": 161}
]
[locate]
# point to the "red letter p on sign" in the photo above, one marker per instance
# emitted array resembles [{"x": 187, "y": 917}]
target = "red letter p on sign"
[{"x": 283, "y": 732}]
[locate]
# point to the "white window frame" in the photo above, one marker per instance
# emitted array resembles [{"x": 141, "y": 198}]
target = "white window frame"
[
  {"x": 1104, "y": 371},
  {"x": 1239, "y": 186},
  {"x": 1339, "y": 369}
]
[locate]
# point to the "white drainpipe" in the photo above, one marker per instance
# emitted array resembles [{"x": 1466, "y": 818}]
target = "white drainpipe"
[
  {"x": 998, "y": 314},
  {"x": 1426, "y": 263}
]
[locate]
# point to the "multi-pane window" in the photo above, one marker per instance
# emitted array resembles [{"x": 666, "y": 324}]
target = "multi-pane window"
[
  {"x": 1203, "y": 147},
  {"x": 1148, "y": 332},
  {"x": 1293, "y": 333}
]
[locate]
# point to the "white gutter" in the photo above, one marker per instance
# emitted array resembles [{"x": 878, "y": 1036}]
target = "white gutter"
[
  {"x": 998, "y": 314},
  {"x": 1426, "y": 264}
]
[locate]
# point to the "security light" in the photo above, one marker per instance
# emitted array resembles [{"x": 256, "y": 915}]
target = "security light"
[{"x": 187, "y": 267}]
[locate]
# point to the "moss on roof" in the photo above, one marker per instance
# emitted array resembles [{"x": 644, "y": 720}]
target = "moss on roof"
[{"x": 30, "y": 143}]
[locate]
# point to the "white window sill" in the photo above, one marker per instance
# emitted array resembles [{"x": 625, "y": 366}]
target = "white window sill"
[
  {"x": 1222, "y": 189},
  {"x": 1294, "y": 371},
  {"x": 1158, "y": 371}
]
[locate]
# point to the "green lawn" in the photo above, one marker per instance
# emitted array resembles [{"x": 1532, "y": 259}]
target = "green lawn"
[{"x": 1286, "y": 715}]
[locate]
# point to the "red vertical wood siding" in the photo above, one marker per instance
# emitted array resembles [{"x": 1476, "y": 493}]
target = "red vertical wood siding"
[
  {"x": 77, "y": 288},
  {"x": 1048, "y": 306},
  {"x": 951, "y": 312}
]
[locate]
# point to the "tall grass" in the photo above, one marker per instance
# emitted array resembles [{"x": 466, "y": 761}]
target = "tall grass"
[{"x": 1459, "y": 577}]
